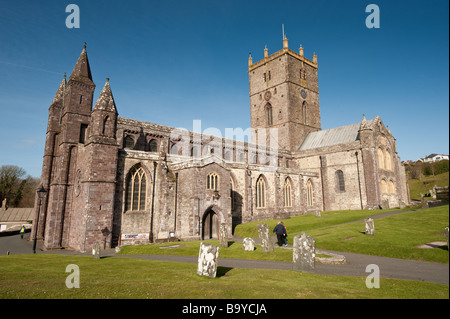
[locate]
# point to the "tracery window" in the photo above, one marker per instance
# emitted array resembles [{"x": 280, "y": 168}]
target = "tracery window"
[
  {"x": 287, "y": 190},
  {"x": 260, "y": 193},
  {"x": 212, "y": 181},
  {"x": 136, "y": 189}
]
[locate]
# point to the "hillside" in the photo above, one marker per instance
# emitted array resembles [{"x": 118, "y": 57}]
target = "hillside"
[{"x": 423, "y": 185}]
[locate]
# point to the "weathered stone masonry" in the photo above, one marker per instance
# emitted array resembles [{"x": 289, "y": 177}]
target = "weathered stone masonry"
[{"x": 117, "y": 181}]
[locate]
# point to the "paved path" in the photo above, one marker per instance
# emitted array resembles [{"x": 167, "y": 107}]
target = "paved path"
[{"x": 355, "y": 266}]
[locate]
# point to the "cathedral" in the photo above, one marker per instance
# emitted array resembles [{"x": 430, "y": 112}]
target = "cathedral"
[{"x": 119, "y": 181}]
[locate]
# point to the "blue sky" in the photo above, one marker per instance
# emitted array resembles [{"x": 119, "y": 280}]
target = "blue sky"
[{"x": 172, "y": 62}]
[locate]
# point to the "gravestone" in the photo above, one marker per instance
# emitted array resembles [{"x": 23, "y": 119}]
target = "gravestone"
[
  {"x": 303, "y": 255},
  {"x": 446, "y": 234},
  {"x": 266, "y": 243},
  {"x": 223, "y": 235},
  {"x": 385, "y": 204},
  {"x": 370, "y": 226},
  {"x": 318, "y": 213},
  {"x": 424, "y": 203},
  {"x": 207, "y": 260},
  {"x": 96, "y": 251},
  {"x": 248, "y": 244}
]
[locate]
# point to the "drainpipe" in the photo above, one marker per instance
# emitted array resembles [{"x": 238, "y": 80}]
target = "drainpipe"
[
  {"x": 323, "y": 185},
  {"x": 359, "y": 179},
  {"x": 153, "y": 201},
  {"x": 176, "y": 201}
]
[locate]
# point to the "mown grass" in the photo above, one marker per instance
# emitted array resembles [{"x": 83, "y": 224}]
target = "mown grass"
[
  {"x": 44, "y": 276},
  {"x": 308, "y": 222},
  {"x": 423, "y": 185},
  {"x": 395, "y": 236}
]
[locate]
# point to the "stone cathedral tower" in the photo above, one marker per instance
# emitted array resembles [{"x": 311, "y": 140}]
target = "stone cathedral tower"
[
  {"x": 284, "y": 94},
  {"x": 80, "y": 162}
]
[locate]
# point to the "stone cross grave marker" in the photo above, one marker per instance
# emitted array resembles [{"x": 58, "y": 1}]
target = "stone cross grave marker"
[
  {"x": 303, "y": 256},
  {"x": 223, "y": 235},
  {"x": 248, "y": 244},
  {"x": 370, "y": 226},
  {"x": 266, "y": 243},
  {"x": 207, "y": 260}
]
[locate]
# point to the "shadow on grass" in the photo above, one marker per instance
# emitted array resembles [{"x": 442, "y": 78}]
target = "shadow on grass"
[{"x": 222, "y": 271}]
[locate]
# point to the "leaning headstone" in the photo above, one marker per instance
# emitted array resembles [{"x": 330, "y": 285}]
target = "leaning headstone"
[
  {"x": 266, "y": 243},
  {"x": 96, "y": 251},
  {"x": 446, "y": 235},
  {"x": 207, "y": 260},
  {"x": 303, "y": 255},
  {"x": 370, "y": 226},
  {"x": 223, "y": 235},
  {"x": 248, "y": 244},
  {"x": 424, "y": 203}
]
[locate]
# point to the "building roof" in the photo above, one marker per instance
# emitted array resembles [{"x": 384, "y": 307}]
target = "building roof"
[{"x": 333, "y": 136}]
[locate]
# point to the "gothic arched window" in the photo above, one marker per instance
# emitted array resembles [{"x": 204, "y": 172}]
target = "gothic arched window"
[
  {"x": 153, "y": 146},
  {"x": 384, "y": 186},
  {"x": 380, "y": 158},
  {"x": 287, "y": 190},
  {"x": 309, "y": 193},
  {"x": 340, "y": 181},
  {"x": 212, "y": 181},
  {"x": 269, "y": 114},
  {"x": 136, "y": 189},
  {"x": 260, "y": 193}
]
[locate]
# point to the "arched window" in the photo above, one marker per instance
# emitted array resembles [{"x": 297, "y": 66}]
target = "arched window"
[
  {"x": 391, "y": 187},
  {"x": 384, "y": 186},
  {"x": 340, "y": 181},
  {"x": 174, "y": 149},
  {"x": 380, "y": 158},
  {"x": 388, "y": 161},
  {"x": 269, "y": 114},
  {"x": 105, "y": 121},
  {"x": 136, "y": 192},
  {"x": 304, "y": 107},
  {"x": 212, "y": 181},
  {"x": 309, "y": 193},
  {"x": 260, "y": 193},
  {"x": 228, "y": 155},
  {"x": 287, "y": 190},
  {"x": 129, "y": 142},
  {"x": 153, "y": 146}
]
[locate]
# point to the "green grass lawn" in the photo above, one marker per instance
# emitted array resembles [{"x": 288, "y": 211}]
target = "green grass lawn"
[
  {"x": 44, "y": 276},
  {"x": 307, "y": 222},
  {"x": 423, "y": 185},
  {"x": 395, "y": 236}
]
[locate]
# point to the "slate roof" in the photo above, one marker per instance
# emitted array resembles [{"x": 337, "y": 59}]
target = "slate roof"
[{"x": 333, "y": 136}]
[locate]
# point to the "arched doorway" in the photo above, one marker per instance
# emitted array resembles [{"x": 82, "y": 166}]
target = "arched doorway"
[{"x": 210, "y": 224}]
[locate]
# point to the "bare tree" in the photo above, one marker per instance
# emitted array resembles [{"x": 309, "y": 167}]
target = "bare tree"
[{"x": 11, "y": 184}]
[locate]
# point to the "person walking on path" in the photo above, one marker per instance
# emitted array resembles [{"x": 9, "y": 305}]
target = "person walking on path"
[
  {"x": 281, "y": 232},
  {"x": 22, "y": 231},
  {"x": 285, "y": 234}
]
